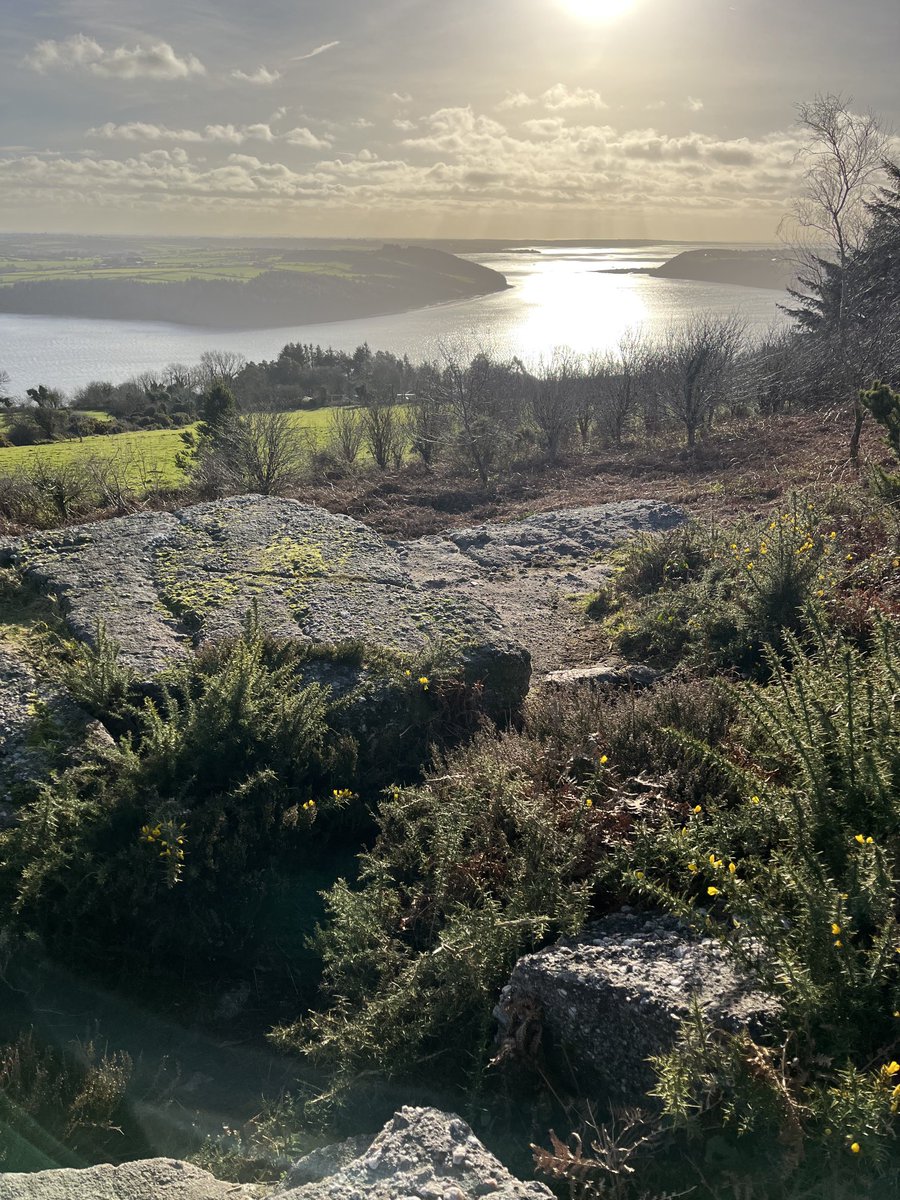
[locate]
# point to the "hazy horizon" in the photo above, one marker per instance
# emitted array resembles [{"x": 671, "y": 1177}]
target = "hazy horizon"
[{"x": 538, "y": 120}]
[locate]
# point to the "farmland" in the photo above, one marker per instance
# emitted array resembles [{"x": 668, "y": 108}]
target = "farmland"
[
  {"x": 148, "y": 456},
  {"x": 222, "y": 284}
]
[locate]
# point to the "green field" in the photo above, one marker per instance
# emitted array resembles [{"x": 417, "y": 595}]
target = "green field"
[
  {"x": 148, "y": 456},
  {"x": 165, "y": 262}
]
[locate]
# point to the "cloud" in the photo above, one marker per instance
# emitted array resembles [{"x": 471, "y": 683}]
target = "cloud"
[
  {"x": 459, "y": 161},
  {"x": 656, "y": 106},
  {"x": 261, "y": 76},
  {"x": 232, "y": 135},
  {"x": 693, "y": 105},
  {"x": 315, "y": 53},
  {"x": 404, "y": 126},
  {"x": 305, "y": 137},
  {"x": 157, "y": 60},
  {"x": 143, "y": 131},
  {"x": 516, "y": 100},
  {"x": 560, "y": 97},
  {"x": 555, "y": 99},
  {"x": 401, "y": 97}
]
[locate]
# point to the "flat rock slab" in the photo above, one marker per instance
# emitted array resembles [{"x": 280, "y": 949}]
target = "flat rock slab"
[
  {"x": 164, "y": 584},
  {"x": 421, "y": 1154},
  {"x": 611, "y": 673},
  {"x": 528, "y": 571},
  {"x": 150, "y": 1179},
  {"x": 605, "y": 1003},
  {"x": 565, "y": 533}
]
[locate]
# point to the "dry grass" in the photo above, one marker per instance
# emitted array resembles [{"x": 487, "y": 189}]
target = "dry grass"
[{"x": 742, "y": 469}]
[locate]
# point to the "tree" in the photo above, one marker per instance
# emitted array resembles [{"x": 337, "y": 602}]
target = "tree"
[
  {"x": 5, "y": 400},
  {"x": 842, "y": 155},
  {"x": 617, "y": 380},
  {"x": 553, "y": 400},
  {"x": 481, "y": 400},
  {"x": 695, "y": 366},
  {"x": 345, "y": 433},
  {"x": 270, "y": 450},
  {"x": 383, "y": 434},
  {"x": 220, "y": 367},
  {"x": 48, "y": 409}
]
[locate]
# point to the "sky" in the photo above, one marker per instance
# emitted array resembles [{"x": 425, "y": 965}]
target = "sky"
[{"x": 669, "y": 119}]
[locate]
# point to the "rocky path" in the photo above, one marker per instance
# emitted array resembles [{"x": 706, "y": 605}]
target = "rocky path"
[{"x": 534, "y": 572}]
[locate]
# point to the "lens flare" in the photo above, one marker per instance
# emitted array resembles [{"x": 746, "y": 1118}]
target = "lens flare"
[{"x": 598, "y": 10}]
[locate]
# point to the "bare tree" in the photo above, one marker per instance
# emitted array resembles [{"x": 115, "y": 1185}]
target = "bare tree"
[
  {"x": 426, "y": 425},
  {"x": 553, "y": 395},
  {"x": 345, "y": 433},
  {"x": 842, "y": 157},
  {"x": 220, "y": 366},
  {"x": 618, "y": 379},
  {"x": 695, "y": 364},
  {"x": 480, "y": 399},
  {"x": 383, "y": 434},
  {"x": 273, "y": 451}
]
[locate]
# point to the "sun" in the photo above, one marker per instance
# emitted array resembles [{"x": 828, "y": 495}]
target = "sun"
[{"x": 598, "y": 10}]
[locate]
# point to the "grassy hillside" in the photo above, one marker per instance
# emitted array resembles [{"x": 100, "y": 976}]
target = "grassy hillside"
[
  {"x": 148, "y": 454},
  {"x": 209, "y": 282}
]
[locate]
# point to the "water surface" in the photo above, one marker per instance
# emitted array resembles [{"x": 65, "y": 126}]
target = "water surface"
[{"x": 573, "y": 297}]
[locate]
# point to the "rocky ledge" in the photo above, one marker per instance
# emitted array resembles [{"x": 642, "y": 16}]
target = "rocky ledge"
[
  {"x": 421, "y": 1154},
  {"x": 165, "y": 584},
  {"x": 596, "y": 1008}
]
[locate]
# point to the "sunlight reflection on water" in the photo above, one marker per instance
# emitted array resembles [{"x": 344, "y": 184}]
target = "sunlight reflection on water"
[{"x": 571, "y": 297}]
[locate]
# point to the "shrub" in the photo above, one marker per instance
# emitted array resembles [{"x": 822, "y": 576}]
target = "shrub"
[
  {"x": 798, "y": 877},
  {"x": 133, "y": 857},
  {"x": 56, "y": 1106},
  {"x": 470, "y": 870},
  {"x": 717, "y": 598}
]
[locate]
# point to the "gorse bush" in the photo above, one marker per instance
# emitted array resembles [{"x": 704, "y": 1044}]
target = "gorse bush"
[
  {"x": 717, "y": 598},
  {"x": 242, "y": 766},
  {"x": 799, "y": 876},
  {"x": 470, "y": 870},
  {"x": 208, "y": 788},
  {"x": 507, "y": 844}
]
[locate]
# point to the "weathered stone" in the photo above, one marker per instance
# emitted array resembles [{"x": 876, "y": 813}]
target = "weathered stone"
[
  {"x": 611, "y": 673},
  {"x": 36, "y": 721},
  {"x": 325, "y": 1161},
  {"x": 150, "y": 1179},
  {"x": 164, "y": 584},
  {"x": 601, "y": 1005},
  {"x": 536, "y": 573},
  {"x": 568, "y": 533},
  {"x": 421, "y": 1154}
]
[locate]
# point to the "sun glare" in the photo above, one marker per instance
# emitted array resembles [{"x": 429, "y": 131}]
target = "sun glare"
[{"x": 598, "y": 10}]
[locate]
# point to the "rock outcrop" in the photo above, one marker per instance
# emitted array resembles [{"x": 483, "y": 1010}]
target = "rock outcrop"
[
  {"x": 150, "y": 1179},
  {"x": 610, "y": 673},
  {"x": 531, "y": 571},
  {"x": 164, "y": 584},
  {"x": 421, "y": 1154},
  {"x": 598, "y": 1007}
]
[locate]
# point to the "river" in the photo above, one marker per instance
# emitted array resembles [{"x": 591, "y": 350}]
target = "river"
[{"x": 572, "y": 297}]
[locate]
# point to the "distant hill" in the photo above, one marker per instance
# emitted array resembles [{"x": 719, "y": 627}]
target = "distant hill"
[
  {"x": 298, "y": 285},
  {"x": 748, "y": 268}
]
